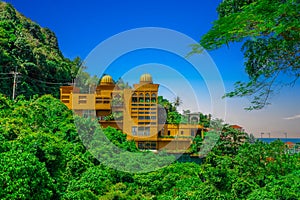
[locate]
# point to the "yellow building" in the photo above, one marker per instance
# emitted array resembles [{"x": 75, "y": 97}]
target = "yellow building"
[{"x": 134, "y": 111}]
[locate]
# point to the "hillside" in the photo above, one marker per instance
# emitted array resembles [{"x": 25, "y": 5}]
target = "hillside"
[
  {"x": 35, "y": 52},
  {"x": 42, "y": 157}
]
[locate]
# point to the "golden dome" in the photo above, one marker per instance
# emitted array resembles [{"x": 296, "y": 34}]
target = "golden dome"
[
  {"x": 146, "y": 78},
  {"x": 106, "y": 80}
]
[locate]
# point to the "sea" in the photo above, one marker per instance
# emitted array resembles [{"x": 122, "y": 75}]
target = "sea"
[{"x": 269, "y": 140}]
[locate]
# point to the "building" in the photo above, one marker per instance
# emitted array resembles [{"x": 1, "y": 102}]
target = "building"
[
  {"x": 134, "y": 111},
  {"x": 237, "y": 127}
]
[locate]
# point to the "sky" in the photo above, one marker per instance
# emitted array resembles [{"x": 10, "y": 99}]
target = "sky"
[{"x": 82, "y": 26}]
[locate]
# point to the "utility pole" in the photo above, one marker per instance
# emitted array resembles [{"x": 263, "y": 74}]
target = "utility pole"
[
  {"x": 15, "y": 73},
  {"x": 285, "y": 133},
  {"x": 261, "y": 134}
]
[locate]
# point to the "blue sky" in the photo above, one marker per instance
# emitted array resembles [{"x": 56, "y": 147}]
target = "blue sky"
[{"x": 81, "y": 25}]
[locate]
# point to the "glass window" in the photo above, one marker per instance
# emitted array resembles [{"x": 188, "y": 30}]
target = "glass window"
[
  {"x": 147, "y": 131},
  {"x": 141, "y": 131},
  {"x": 193, "y": 132},
  {"x": 134, "y": 99},
  {"x": 134, "y": 130}
]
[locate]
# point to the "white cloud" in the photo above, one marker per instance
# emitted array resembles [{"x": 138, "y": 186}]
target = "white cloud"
[{"x": 292, "y": 117}]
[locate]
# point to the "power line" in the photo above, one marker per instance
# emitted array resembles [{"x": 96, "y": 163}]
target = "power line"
[
  {"x": 51, "y": 83},
  {"x": 5, "y": 78},
  {"x": 17, "y": 74}
]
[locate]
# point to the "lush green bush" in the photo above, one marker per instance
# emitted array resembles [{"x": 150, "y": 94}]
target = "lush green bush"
[{"x": 43, "y": 157}]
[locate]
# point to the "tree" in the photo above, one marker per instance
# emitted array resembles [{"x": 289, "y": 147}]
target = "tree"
[
  {"x": 204, "y": 120},
  {"x": 122, "y": 85},
  {"x": 177, "y": 102},
  {"x": 165, "y": 104},
  {"x": 23, "y": 176},
  {"x": 34, "y": 51},
  {"x": 269, "y": 30},
  {"x": 257, "y": 169}
]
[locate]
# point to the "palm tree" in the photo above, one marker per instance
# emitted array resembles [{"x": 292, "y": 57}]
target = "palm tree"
[
  {"x": 177, "y": 102},
  {"x": 91, "y": 83}
]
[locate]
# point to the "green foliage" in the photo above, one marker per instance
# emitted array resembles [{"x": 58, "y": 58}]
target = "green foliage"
[
  {"x": 163, "y": 180},
  {"x": 174, "y": 117},
  {"x": 269, "y": 30},
  {"x": 34, "y": 50},
  {"x": 205, "y": 120},
  {"x": 42, "y": 157},
  {"x": 23, "y": 176},
  {"x": 230, "y": 141},
  {"x": 257, "y": 169},
  {"x": 196, "y": 145},
  {"x": 119, "y": 139},
  {"x": 44, "y": 128}
]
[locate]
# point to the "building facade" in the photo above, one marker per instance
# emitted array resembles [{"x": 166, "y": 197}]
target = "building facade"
[{"x": 134, "y": 111}]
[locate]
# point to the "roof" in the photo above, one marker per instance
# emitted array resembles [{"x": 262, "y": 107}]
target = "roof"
[
  {"x": 146, "y": 78},
  {"x": 236, "y": 126},
  {"x": 106, "y": 80}
]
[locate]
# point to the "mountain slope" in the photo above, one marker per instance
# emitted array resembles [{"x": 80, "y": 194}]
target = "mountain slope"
[{"x": 34, "y": 51}]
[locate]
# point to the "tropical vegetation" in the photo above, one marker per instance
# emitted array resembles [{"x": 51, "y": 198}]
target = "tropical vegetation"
[
  {"x": 269, "y": 33},
  {"x": 42, "y": 156},
  {"x": 47, "y": 152}
]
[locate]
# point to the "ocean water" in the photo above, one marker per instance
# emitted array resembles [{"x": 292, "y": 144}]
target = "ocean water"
[{"x": 268, "y": 140}]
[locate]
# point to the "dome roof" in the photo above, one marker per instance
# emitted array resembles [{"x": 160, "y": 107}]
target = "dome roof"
[
  {"x": 146, "y": 78},
  {"x": 106, "y": 80}
]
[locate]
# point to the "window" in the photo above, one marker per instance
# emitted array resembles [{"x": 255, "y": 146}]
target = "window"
[
  {"x": 65, "y": 97},
  {"x": 169, "y": 132},
  {"x": 140, "y": 131},
  {"x": 147, "y": 99},
  {"x": 98, "y": 100},
  {"x": 159, "y": 133},
  {"x": 144, "y": 131},
  {"x": 134, "y": 99},
  {"x": 147, "y": 145},
  {"x": 193, "y": 132},
  {"x": 82, "y": 100},
  {"x": 182, "y": 132},
  {"x": 134, "y": 130},
  {"x": 141, "y": 97},
  {"x": 147, "y": 131},
  {"x": 106, "y": 100}
]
